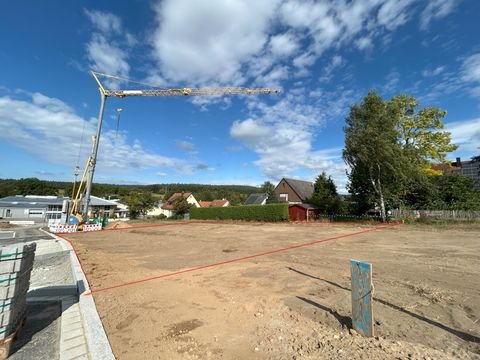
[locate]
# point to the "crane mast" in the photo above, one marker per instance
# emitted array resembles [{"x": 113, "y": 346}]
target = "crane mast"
[{"x": 106, "y": 93}]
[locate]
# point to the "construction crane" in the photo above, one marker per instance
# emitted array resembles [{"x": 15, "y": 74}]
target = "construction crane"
[{"x": 105, "y": 94}]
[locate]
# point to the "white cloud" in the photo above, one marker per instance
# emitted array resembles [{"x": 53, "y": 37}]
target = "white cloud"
[
  {"x": 282, "y": 134},
  {"x": 436, "y": 9},
  {"x": 282, "y": 45},
  {"x": 161, "y": 174},
  {"x": 185, "y": 146},
  {"x": 249, "y": 131},
  {"x": 391, "y": 82},
  {"x": 433, "y": 72},
  {"x": 240, "y": 41},
  {"x": 470, "y": 73},
  {"x": 364, "y": 43},
  {"x": 394, "y": 13},
  {"x": 466, "y": 134},
  {"x": 336, "y": 62},
  {"x": 50, "y": 129},
  {"x": 107, "y": 57},
  {"x": 104, "y": 22},
  {"x": 196, "y": 45},
  {"x": 107, "y": 50}
]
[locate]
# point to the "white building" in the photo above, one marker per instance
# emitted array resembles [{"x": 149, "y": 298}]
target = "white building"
[{"x": 167, "y": 208}]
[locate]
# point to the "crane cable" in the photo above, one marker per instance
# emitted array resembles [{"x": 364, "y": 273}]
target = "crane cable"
[{"x": 128, "y": 80}]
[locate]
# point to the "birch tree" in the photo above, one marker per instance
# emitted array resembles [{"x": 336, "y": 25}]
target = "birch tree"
[{"x": 373, "y": 152}]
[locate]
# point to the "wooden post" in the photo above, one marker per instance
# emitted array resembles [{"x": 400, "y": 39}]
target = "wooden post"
[{"x": 362, "y": 296}]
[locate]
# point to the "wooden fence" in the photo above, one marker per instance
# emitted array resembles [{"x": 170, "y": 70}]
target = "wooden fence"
[{"x": 436, "y": 214}]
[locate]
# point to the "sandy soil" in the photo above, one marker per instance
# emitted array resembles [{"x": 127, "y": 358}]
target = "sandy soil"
[
  {"x": 288, "y": 305},
  {"x": 6, "y": 225}
]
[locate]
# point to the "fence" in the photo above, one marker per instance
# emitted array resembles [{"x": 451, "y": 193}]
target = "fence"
[{"x": 436, "y": 214}]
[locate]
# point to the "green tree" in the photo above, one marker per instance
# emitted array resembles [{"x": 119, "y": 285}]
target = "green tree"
[
  {"x": 420, "y": 132},
  {"x": 373, "y": 152},
  {"x": 139, "y": 203},
  {"x": 269, "y": 189},
  {"x": 325, "y": 195},
  {"x": 457, "y": 192},
  {"x": 181, "y": 206}
]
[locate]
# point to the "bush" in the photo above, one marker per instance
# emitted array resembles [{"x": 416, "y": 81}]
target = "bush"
[{"x": 269, "y": 212}]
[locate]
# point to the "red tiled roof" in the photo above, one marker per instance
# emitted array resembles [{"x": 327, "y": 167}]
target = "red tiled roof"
[
  {"x": 219, "y": 203},
  {"x": 214, "y": 203},
  {"x": 177, "y": 195},
  {"x": 167, "y": 207}
]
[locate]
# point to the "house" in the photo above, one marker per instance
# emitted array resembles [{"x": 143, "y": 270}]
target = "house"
[
  {"x": 101, "y": 207},
  {"x": 469, "y": 168},
  {"x": 256, "y": 199},
  {"x": 122, "y": 211},
  {"x": 214, "y": 203},
  {"x": 294, "y": 191},
  {"x": 51, "y": 209},
  {"x": 167, "y": 208}
]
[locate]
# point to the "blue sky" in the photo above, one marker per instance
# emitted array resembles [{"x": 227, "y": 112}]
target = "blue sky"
[{"x": 324, "y": 55}]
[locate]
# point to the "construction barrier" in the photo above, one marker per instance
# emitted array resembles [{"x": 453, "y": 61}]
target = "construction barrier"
[
  {"x": 62, "y": 228},
  {"x": 92, "y": 227},
  {"x": 16, "y": 264}
]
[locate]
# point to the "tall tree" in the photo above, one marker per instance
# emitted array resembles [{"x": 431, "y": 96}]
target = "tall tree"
[
  {"x": 139, "y": 203},
  {"x": 269, "y": 189},
  {"x": 373, "y": 152},
  {"x": 181, "y": 206},
  {"x": 420, "y": 132},
  {"x": 325, "y": 195}
]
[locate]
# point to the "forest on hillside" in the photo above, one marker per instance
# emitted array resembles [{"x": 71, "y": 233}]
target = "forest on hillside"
[{"x": 236, "y": 194}]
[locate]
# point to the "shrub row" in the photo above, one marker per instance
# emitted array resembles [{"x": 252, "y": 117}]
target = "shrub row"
[{"x": 269, "y": 212}]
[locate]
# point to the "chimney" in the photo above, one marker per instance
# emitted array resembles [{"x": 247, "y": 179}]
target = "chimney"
[{"x": 458, "y": 162}]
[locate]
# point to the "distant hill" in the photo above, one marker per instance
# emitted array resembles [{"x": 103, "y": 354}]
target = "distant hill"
[{"x": 236, "y": 194}]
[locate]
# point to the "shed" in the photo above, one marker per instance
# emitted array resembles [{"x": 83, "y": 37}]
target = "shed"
[{"x": 302, "y": 212}]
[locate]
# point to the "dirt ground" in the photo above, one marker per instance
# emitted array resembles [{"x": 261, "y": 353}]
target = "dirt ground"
[{"x": 287, "y": 305}]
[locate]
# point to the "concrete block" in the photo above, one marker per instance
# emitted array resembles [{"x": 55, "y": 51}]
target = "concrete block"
[
  {"x": 14, "y": 252},
  {"x": 75, "y": 352},
  {"x": 72, "y": 334},
  {"x": 69, "y": 344}
]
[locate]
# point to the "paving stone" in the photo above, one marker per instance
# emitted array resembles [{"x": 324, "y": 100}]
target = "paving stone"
[
  {"x": 72, "y": 334},
  {"x": 74, "y": 352},
  {"x": 68, "y": 344}
]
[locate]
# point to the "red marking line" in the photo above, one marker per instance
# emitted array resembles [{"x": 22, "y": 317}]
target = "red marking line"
[
  {"x": 239, "y": 259},
  {"x": 220, "y": 222},
  {"x": 76, "y": 254}
]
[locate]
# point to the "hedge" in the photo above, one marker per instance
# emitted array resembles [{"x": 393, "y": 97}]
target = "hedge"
[{"x": 269, "y": 212}]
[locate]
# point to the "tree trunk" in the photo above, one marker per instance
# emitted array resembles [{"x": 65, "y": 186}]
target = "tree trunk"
[
  {"x": 383, "y": 213},
  {"x": 377, "y": 186}
]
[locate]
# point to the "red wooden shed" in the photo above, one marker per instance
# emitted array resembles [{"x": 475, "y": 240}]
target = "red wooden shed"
[{"x": 302, "y": 212}]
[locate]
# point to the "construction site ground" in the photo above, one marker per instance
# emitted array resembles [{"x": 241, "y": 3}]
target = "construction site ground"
[{"x": 293, "y": 304}]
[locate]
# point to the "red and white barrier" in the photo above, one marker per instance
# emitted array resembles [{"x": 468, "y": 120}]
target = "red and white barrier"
[
  {"x": 62, "y": 228},
  {"x": 92, "y": 227}
]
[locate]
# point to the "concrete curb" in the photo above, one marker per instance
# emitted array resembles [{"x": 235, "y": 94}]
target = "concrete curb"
[{"x": 81, "y": 319}]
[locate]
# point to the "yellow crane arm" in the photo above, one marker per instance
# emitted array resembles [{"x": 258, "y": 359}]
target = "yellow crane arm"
[
  {"x": 191, "y": 92},
  {"x": 215, "y": 91}
]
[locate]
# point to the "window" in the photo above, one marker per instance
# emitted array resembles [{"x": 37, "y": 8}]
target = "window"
[
  {"x": 284, "y": 197},
  {"x": 9, "y": 213}
]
